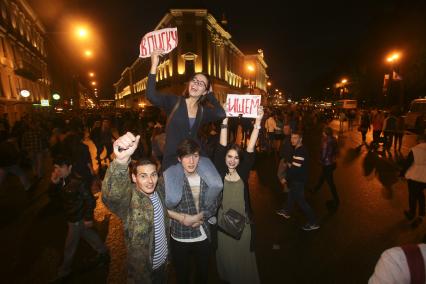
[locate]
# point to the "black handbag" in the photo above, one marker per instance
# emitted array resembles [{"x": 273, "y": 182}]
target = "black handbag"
[{"x": 232, "y": 223}]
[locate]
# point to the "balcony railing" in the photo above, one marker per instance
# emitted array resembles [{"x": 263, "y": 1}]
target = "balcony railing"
[{"x": 28, "y": 70}]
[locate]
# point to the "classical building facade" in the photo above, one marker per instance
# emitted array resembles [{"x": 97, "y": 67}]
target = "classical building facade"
[
  {"x": 23, "y": 55},
  {"x": 204, "y": 46}
]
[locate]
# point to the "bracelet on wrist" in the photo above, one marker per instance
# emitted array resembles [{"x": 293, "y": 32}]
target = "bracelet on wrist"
[
  {"x": 223, "y": 126},
  {"x": 257, "y": 126}
]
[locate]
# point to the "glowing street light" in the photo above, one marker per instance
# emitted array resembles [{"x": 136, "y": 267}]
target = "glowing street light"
[
  {"x": 269, "y": 84},
  {"x": 56, "y": 96},
  {"x": 82, "y": 32},
  {"x": 250, "y": 68},
  {"x": 91, "y": 74},
  {"x": 88, "y": 53},
  {"x": 344, "y": 81},
  {"x": 93, "y": 83},
  {"x": 393, "y": 57}
]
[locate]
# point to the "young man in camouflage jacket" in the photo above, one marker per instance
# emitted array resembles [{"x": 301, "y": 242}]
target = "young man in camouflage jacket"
[{"x": 138, "y": 200}]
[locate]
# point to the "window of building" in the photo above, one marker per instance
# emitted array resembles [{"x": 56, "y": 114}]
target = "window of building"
[
  {"x": 188, "y": 37},
  {"x": 13, "y": 18},
  {"x": 12, "y": 93},
  {"x": 189, "y": 68},
  {"x": 14, "y": 59},
  {"x": 3, "y": 11},
  {"x": 21, "y": 25},
  {"x": 3, "y": 46},
  {"x": 2, "y": 94}
]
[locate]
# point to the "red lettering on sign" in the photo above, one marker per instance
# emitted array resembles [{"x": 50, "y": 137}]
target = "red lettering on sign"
[
  {"x": 174, "y": 36},
  {"x": 159, "y": 42},
  {"x": 143, "y": 50},
  {"x": 163, "y": 43},
  {"x": 168, "y": 37},
  {"x": 149, "y": 44}
]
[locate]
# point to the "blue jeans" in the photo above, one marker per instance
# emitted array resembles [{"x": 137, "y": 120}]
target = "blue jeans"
[
  {"x": 76, "y": 231},
  {"x": 297, "y": 194}
]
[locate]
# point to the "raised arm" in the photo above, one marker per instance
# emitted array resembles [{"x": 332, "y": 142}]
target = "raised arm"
[
  {"x": 156, "y": 98},
  {"x": 255, "y": 132},
  {"x": 117, "y": 186},
  {"x": 223, "y": 140}
]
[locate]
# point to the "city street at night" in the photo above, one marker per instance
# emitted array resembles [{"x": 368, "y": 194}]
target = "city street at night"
[{"x": 212, "y": 142}]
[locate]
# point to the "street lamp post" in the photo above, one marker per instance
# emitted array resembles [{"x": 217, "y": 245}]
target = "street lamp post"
[
  {"x": 390, "y": 89},
  {"x": 251, "y": 70}
]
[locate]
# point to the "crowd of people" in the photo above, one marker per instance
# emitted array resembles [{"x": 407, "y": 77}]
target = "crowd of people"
[{"x": 172, "y": 178}]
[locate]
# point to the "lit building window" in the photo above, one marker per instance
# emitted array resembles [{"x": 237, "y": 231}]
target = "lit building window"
[{"x": 3, "y": 11}]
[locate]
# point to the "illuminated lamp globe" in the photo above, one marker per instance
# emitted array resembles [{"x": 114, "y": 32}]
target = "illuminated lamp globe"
[
  {"x": 56, "y": 97},
  {"x": 24, "y": 93}
]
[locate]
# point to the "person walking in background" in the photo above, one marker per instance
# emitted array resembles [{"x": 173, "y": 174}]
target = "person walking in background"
[
  {"x": 95, "y": 136},
  {"x": 138, "y": 200},
  {"x": 271, "y": 126},
  {"x": 389, "y": 129},
  {"x": 296, "y": 178},
  {"x": 78, "y": 204},
  {"x": 106, "y": 140},
  {"x": 377, "y": 122},
  {"x": 235, "y": 259},
  {"x": 399, "y": 133},
  {"x": 286, "y": 155},
  {"x": 342, "y": 118},
  {"x": 351, "y": 119},
  {"x": 9, "y": 159},
  {"x": 328, "y": 163},
  {"x": 33, "y": 145},
  {"x": 364, "y": 126},
  {"x": 415, "y": 172}
]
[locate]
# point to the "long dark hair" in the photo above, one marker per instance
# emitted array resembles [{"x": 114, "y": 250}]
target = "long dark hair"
[
  {"x": 202, "y": 100},
  {"x": 239, "y": 151}
]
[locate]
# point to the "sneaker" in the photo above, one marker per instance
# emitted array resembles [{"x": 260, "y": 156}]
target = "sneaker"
[
  {"x": 283, "y": 213},
  {"x": 310, "y": 227}
]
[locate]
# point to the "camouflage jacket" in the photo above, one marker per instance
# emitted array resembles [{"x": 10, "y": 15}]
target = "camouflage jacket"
[{"x": 135, "y": 210}]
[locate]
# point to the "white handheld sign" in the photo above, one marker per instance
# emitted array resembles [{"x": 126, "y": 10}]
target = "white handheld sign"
[
  {"x": 166, "y": 39},
  {"x": 245, "y": 105}
]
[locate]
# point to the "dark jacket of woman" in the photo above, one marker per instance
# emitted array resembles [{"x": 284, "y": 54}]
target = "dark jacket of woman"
[{"x": 178, "y": 127}]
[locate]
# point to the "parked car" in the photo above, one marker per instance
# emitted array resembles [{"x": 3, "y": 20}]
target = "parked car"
[{"x": 416, "y": 115}]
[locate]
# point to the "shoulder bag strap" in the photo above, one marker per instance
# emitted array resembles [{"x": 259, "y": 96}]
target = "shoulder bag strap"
[
  {"x": 173, "y": 112},
  {"x": 415, "y": 262}
]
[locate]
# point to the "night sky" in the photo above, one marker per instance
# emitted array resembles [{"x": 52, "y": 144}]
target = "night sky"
[{"x": 308, "y": 45}]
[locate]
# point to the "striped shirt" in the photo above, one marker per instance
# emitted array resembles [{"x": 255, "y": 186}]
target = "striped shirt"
[
  {"x": 160, "y": 238},
  {"x": 298, "y": 171}
]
